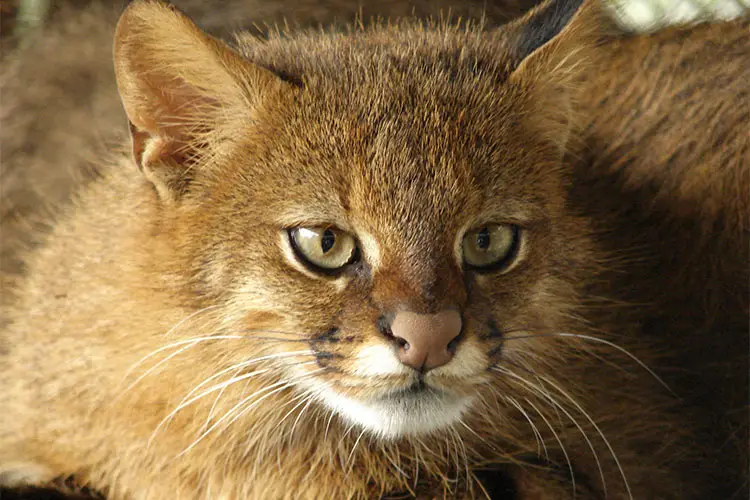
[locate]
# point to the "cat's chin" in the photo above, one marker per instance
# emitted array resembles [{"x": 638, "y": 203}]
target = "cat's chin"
[{"x": 400, "y": 414}]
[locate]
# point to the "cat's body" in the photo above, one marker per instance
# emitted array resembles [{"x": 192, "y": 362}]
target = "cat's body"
[
  {"x": 671, "y": 179},
  {"x": 407, "y": 136}
]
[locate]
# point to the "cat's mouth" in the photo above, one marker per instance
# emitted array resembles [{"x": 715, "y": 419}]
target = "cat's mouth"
[
  {"x": 417, "y": 409},
  {"x": 418, "y": 388},
  {"x": 376, "y": 392},
  {"x": 415, "y": 389}
]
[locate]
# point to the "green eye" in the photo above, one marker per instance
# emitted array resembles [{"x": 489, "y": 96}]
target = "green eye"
[
  {"x": 324, "y": 247},
  {"x": 491, "y": 246}
]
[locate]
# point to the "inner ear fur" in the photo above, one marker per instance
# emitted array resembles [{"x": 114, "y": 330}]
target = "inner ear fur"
[
  {"x": 177, "y": 84},
  {"x": 552, "y": 49}
]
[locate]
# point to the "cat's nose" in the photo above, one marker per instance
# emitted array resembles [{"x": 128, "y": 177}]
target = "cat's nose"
[{"x": 426, "y": 341}]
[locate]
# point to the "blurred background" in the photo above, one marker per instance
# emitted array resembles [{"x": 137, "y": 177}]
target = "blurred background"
[
  {"x": 638, "y": 15},
  {"x": 646, "y": 15}
]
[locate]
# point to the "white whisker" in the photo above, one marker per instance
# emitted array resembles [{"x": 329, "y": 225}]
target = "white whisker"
[
  {"x": 462, "y": 451},
  {"x": 165, "y": 421},
  {"x": 349, "y": 428},
  {"x": 216, "y": 400},
  {"x": 594, "y": 424},
  {"x": 539, "y": 390},
  {"x": 303, "y": 396},
  {"x": 559, "y": 441},
  {"x": 248, "y": 362},
  {"x": 537, "y": 435},
  {"x": 187, "y": 344},
  {"x": 602, "y": 341},
  {"x": 349, "y": 460},
  {"x": 277, "y": 387},
  {"x": 394, "y": 464},
  {"x": 187, "y": 400},
  {"x": 306, "y": 398},
  {"x": 625, "y": 352},
  {"x": 310, "y": 399},
  {"x": 189, "y": 317},
  {"x": 328, "y": 426}
]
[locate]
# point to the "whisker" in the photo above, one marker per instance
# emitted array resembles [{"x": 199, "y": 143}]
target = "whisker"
[
  {"x": 277, "y": 387},
  {"x": 539, "y": 390},
  {"x": 225, "y": 336},
  {"x": 304, "y": 397},
  {"x": 166, "y": 420},
  {"x": 426, "y": 448},
  {"x": 417, "y": 460},
  {"x": 603, "y": 341},
  {"x": 328, "y": 426},
  {"x": 248, "y": 334},
  {"x": 394, "y": 464},
  {"x": 594, "y": 424},
  {"x": 349, "y": 428},
  {"x": 187, "y": 401},
  {"x": 216, "y": 399},
  {"x": 537, "y": 435},
  {"x": 187, "y": 344},
  {"x": 249, "y": 362},
  {"x": 274, "y": 332},
  {"x": 480, "y": 438},
  {"x": 462, "y": 451},
  {"x": 310, "y": 399},
  {"x": 625, "y": 352},
  {"x": 559, "y": 441},
  {"x": 349, "y": 460},
  {"x": 283, "y": 385},
  {"x": 453, "y": 452},
  {"x": 278, "y": 339},
  {"x": 189, "y": 317},
  {"x": 486, "y": 493}
]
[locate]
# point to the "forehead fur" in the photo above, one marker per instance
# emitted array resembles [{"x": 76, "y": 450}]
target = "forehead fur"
[
  {"x": 363, "y": 56},
  {"x": 434, "y": 106}
]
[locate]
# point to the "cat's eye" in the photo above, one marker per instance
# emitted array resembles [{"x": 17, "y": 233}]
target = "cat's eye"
[
  {"x": 491, "y": 246},
  {"x": 324, "y": 247}
]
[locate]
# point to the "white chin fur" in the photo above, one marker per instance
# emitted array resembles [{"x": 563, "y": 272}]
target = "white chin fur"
[
  {"x": 13, "y": 475},
  {"x": 406, "y": 415}
]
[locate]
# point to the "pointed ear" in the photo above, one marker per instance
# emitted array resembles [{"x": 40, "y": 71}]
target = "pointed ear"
[
  {"x": 178, "y": 86},
  {"x": 541, "y": 25},
  {"x": 551, "y": 49}
]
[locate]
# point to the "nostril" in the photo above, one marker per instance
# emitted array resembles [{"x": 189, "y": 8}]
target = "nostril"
[
  {"x": 384, "y": 326},
  {"x": 453, "y": 344},
  {"x": 423, "y": 341}
]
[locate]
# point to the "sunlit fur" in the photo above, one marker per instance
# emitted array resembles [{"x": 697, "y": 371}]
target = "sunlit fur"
[{"x": 166, "y": 345}]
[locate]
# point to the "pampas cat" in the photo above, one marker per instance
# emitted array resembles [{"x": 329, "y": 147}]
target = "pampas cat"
[{"x": 394, "y": 260}]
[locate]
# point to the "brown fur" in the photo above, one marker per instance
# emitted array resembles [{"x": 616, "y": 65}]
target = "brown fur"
[
  {"x": 404, "y": 132},
  {"x": 667, "y": 184},
  {"x": 71, "y": 110}
]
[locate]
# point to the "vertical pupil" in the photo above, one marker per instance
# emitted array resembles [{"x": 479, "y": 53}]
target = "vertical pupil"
[
  {"x": 483, "y": 239},
  {"x": 327, "y": 240}
]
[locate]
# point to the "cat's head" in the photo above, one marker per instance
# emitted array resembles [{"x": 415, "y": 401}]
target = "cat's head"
[{"x": 383, "y": 211}]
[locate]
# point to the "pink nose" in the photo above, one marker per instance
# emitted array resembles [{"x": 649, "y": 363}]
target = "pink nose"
[{"x": 425, "y": 339}]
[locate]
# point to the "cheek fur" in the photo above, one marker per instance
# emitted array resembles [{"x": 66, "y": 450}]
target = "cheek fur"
[{"x": 326, "y": 343}]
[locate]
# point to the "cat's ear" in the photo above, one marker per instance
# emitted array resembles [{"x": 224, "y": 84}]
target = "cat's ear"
[
  {"x": 179, "y": 86},
  {"x": 550, "y": 21},
  {"x": 550, "y": 49}
]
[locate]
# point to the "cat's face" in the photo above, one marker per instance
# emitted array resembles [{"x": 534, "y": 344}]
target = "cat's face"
[
  {"x": 364, "y": 200},
  {"x": 400, "y": 188}
]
